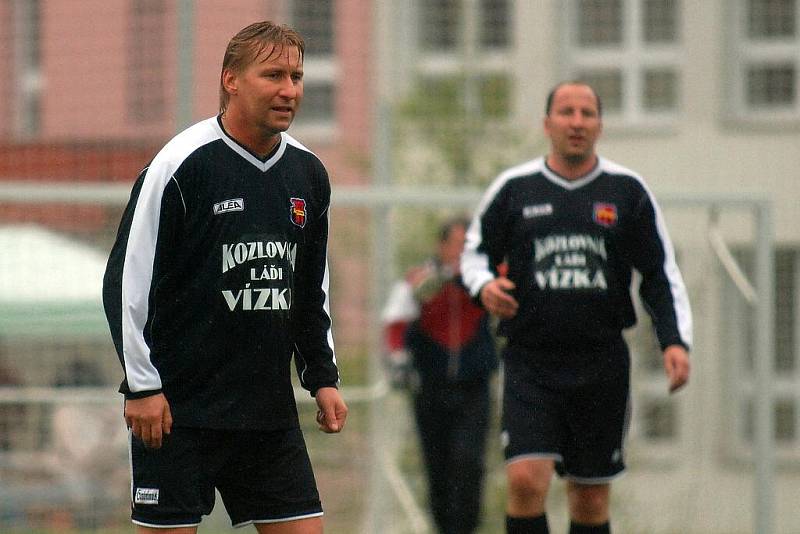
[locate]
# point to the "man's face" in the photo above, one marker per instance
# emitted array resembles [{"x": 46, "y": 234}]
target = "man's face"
[
  {"x": 573, "y": 123},
  {"x": 268, "y": 92}
]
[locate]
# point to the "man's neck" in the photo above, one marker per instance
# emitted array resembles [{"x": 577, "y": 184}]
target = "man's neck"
[
  {"x": 569, "y": 169},
  {"x": 254, "y": 140}
]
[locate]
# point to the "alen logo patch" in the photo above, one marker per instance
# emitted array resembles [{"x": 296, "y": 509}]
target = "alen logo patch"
[{"x": 226, "y": 206}]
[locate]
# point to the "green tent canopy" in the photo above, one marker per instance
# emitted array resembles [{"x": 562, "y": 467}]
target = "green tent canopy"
[{"x": 50, "y": 285}]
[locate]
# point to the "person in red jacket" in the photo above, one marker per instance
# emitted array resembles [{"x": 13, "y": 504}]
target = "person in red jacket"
[{"x": 440, "y": 347}]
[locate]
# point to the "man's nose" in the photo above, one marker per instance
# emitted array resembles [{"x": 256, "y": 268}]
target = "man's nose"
[
  {"x": 576, "y": 119},
  {"x": 288, "y": 89}
]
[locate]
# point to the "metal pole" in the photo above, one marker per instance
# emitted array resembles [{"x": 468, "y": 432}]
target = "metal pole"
[
  {"x": 184, "y": 97},
  {"x": 472, "y": 96},
  {"x": 764, "y": 440},
  {"x": 378, "y": 515}
]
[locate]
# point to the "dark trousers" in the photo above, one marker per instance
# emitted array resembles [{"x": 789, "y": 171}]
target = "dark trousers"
[{"x": 453, "y": 420}]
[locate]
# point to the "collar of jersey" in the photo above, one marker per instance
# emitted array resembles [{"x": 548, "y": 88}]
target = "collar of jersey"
[
  {"x": 559, "y": 180},
  {"x": 262, "y": 165}
]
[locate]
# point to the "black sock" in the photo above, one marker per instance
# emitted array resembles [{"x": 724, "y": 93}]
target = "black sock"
[
  {"x": 577, "y": 528},
  {"x": 527, "y": 525}
]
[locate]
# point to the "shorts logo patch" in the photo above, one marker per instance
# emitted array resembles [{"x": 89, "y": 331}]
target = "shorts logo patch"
[
  {"x": 233, "y": 204},
  {"x": 605, "y": 214},
  {"x": 297, "y": 211},
  {"x": 146, "y": 496}
]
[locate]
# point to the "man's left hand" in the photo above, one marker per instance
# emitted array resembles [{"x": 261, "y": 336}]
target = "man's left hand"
[
  {"x": 332, "y": 411},
  {"x": 676, "y": 365}
]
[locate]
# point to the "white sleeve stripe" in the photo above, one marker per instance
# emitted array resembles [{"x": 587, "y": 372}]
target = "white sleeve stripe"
[
  {"x": 137, "y": 276},
  {"x": 680, "y": 297},
  {"x": 475, "y": 268},
  {"x": 327, "y": 307},
  {"x": 137, "y": 271}
]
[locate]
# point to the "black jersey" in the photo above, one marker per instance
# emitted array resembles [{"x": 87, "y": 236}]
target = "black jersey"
[
  {"x": 218, "y": 276},
  {"x": 571, "y": 247}
]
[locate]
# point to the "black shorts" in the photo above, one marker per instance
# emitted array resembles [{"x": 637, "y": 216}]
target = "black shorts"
[
  {"x": 262, "y": 477},
  {"x": 582, "y": 428}
]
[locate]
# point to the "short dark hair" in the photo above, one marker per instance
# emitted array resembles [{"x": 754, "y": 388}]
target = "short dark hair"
[
  {"x": 454, "y": 222},
  {"x": 245, "y": 47},
  {"x": 551, "y": 95}
]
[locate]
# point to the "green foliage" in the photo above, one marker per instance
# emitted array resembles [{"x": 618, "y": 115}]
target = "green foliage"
[{"x": 441, "y": 138}]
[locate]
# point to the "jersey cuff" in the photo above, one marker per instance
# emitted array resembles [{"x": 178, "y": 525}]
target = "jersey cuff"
[
  {"x": 130, "y": 395},
  {"x": 476, "y": 286},
  {"x": 316, "y": 387},
  {"x": 675, "y": 342}
]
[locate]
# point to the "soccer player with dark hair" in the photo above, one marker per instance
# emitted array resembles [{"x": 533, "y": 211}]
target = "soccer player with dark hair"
[
  {"x": 218, "y": 278},
  {"x": 572, "y": 227}
]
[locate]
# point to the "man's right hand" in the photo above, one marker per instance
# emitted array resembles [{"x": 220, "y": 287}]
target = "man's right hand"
[
  {"x": 149, "y": 418},
  {"x": 496, "y": 297}
]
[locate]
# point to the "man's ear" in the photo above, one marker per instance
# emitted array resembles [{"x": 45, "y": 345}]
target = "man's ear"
[{"x": 230, "y": 81}]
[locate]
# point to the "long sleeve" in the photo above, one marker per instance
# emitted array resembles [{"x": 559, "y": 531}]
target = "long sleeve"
[
  {"x": 662, "y": 288},
  {"x": 485, "y": 244},
  {"x": 132, "y": 273},
  {"x": 315, "y": 356}
]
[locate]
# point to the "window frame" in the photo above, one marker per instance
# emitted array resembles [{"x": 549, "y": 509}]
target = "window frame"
[
  {"x": 745, "y": 52},
  {"x": 739, "y": 381},
  {"x": 485, "y": 62},
  {"x": 631, "y": 58},
  {"x": 319, "y": 69}
]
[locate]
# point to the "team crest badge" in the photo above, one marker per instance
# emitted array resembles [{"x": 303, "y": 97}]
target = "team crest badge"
[
  {"x": 297, "y": 211},
  {"x": 605, "y": 214}
]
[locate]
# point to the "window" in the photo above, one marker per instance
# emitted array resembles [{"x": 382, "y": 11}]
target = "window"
[
  {"x": 770, "y": 85},
  {"x": 27, "y": 60},
  {"x": 786, "y": 406},
  {"x": 600, "y": 22},
  {"x": 495, "y": 23},
  {"x": 770, "y": 18},
  {"x": 443, "y": 23},
  {"x": 629, "y": 51},
  {"x": 457, "y": 37},
  {"x": 660, "y": 89},
  {"x": 440, "y": 24},
  {"x": 146, "y": 91},
  {"x": 495, "y": 95},
  {"x": 766, "y": 51},
  {"x": 318, "y": 104},
  {"x": 314, "y": 20},
  {"x": 444, "y": 97},
  {"x": 659, "y": 21}
]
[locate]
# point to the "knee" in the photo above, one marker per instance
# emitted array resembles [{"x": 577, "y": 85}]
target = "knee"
[
  {"x": 528, "y": 484},
  {"x": 589, "y": 504}
]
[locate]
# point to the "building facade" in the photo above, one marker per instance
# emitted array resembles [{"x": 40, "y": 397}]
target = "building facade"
[{"x": 701, "y": 98}]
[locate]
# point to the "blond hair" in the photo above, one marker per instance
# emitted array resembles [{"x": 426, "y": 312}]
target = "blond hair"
[{"x": 250, "y": 43}]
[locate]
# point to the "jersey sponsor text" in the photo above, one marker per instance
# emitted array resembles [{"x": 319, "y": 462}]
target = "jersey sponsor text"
[
  {"x": 239, "y": 253},
  {"x": 258, "y": 298}
]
